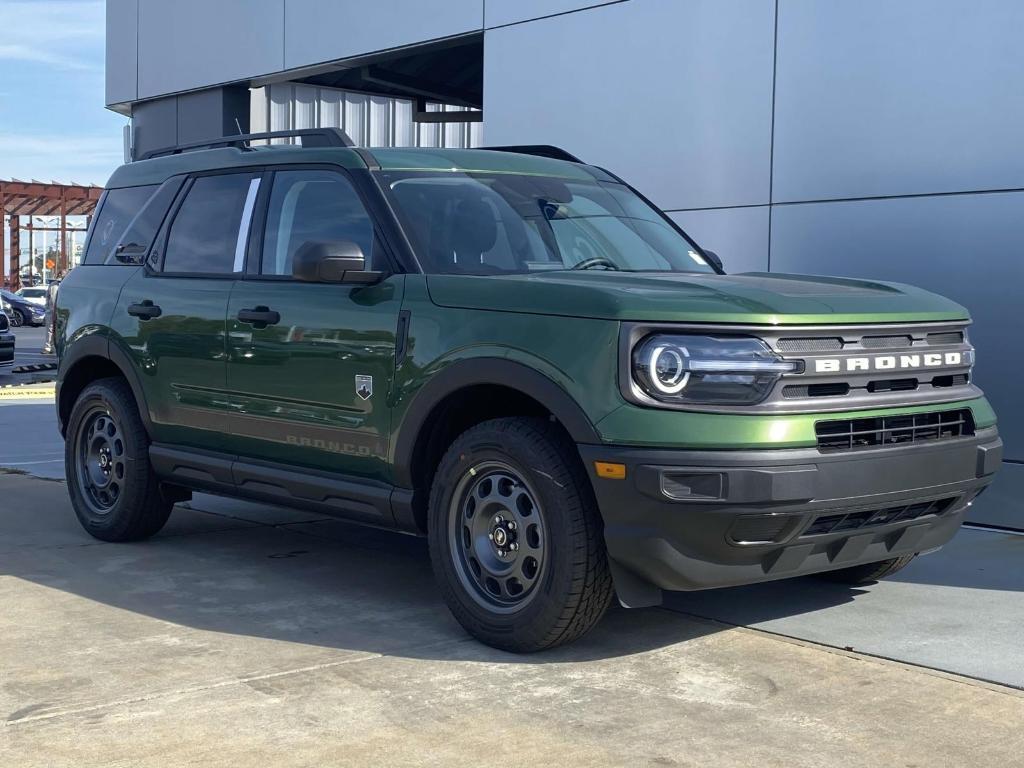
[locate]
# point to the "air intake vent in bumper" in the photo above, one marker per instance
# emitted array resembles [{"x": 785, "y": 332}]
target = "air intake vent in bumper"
[
  {"x": 870, "y": 518},
  {"x": 882, "y": 431}
]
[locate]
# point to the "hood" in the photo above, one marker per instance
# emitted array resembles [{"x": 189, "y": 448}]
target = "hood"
[{"x": 754, "y": 298}]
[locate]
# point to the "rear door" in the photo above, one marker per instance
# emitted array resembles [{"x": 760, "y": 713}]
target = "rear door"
[
  {"x": 171, "y": 315},
  {"x": 310, "y": 383}
]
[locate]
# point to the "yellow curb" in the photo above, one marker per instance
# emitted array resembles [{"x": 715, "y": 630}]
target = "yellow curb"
[{"x": 27, "y": 392}]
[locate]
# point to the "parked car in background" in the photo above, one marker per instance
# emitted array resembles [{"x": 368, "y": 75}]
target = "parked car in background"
[
  {"x": 6, "y": 342},
  {"x": 23, "y": 311},
  {"x": 34, "y": 294}
]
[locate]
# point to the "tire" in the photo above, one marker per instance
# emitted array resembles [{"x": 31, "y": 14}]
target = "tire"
[
  {"x": 17, "y": 319},
  {"x": 524, "y": 474},
  {"x": 869, "y": 572},
  {"x": 116, "y": 498}
]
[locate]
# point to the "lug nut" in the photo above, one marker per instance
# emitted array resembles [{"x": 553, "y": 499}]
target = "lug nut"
[
  {"x": 499, "y": 519},
  {"x": 511, "y": 525},
  {"x": 513, "y": 546},
  {"x": 490, "y": 536}
]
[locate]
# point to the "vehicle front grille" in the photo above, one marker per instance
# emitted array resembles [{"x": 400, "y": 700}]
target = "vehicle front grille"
[
  {"x": 884, "y": 431},
  {"x": 946, "y": 337},
  {"x": 851, "y": 521},
  {"x": 871, "y": 366},
  {"x": 831, "y": 344},
  {"x": 886, "y": 342}
]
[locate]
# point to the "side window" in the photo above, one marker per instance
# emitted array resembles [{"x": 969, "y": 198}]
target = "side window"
[
  {"x": 311, "y": 206},
  {"x": 133, "y": 244},
  {"x": 119, "y": 208},
  {"x": 210, "y": 230}
]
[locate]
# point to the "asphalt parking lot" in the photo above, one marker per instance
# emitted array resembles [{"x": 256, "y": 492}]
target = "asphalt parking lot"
[{"x": 250, "y": 634}]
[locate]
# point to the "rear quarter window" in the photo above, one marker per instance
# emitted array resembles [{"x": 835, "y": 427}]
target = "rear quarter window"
[{"x": 119, "y": 208}]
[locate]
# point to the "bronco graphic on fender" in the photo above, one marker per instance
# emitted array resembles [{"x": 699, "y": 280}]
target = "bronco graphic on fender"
[{"x": 554, "y": 384}]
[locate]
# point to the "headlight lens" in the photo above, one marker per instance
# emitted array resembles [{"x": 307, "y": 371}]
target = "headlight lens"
[{"x": 707, "y": 370}]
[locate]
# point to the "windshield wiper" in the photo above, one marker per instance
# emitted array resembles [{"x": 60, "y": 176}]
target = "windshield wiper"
[{"x": 597, "y": 261}]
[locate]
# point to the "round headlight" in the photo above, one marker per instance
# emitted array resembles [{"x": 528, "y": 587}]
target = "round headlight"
[
  {"x": 668, "y": 366},
  {"x": 710, "y": 370}
]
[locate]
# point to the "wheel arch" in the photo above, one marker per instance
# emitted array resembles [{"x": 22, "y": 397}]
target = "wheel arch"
[
  {"x": 87, "y": 360},
  {"x": 465, "y": 393}
]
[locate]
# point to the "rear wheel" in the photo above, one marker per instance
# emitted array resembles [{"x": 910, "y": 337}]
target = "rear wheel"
[
  {"x": 17, "y": 318},
  {"x": 113, "y": 489},
  {"x": 869, "y": 572},
  {"x": 515, "y": 536}
]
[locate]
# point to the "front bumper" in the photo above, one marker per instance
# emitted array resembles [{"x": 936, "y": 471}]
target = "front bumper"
[
  {"x": 688, "y": 520},
  {"x": 6, "y": 350}
]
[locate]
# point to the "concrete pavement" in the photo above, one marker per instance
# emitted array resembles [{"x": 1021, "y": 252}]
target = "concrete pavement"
[{"x": 252, "y": 635}]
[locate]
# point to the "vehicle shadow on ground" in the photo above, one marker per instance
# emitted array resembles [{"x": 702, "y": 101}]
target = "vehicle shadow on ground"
[{"x": 301, "y": 579}]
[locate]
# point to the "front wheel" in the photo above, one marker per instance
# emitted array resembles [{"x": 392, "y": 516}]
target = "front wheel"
[
  {"x": 17, "y": 319},
  {"x": 516, "y": 540},
  {"x": 869, "y": 572},
  {"x": 113, "y": 489}
]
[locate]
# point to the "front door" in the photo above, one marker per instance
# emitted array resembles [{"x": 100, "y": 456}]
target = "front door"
[
  {"x": 310, "y": 365},
  {"x": 170, "y": 316}
]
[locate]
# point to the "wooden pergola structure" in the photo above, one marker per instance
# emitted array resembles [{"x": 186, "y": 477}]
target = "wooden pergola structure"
[{"x": 36, "y": 198}]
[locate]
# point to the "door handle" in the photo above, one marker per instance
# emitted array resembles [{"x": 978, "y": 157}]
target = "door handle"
[
  {"x": 145, "y": 310},
  {"x": 259, "y": 317}
]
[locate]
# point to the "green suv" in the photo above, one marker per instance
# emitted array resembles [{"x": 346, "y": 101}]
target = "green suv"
[{"x": 516, "y": 355}]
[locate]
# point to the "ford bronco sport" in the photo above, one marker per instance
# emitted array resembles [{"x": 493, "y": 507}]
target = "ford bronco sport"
[{"x": 516, "y": 355}]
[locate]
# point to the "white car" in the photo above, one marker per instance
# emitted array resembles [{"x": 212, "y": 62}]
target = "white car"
[{"x": 35, "y": 295}]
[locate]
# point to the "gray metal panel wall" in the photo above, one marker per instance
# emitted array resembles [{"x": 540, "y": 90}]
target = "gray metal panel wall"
[
  {"x": 190, "y": 44},
  {"x": 676, "y": 95},
  {"x": 317, "y": 31},
  {"x": 189, "y": 117},
  {"x": 738, "y": 235},
  {"x": 876, "y": 97},
  {"x": 122, "y": 51},
  {"x": 499, "y": 12}
]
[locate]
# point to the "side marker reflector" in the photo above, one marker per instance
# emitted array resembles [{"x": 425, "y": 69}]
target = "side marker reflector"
[{"x": 610, "y": 470}]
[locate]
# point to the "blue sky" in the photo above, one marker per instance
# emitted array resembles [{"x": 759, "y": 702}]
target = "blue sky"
[{"x": 53, "y": 123}]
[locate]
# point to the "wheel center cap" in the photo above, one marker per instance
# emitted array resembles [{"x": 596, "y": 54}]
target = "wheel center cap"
[
  {"x": 500, "y": 536},
  {"x": 104, "y": 460}
]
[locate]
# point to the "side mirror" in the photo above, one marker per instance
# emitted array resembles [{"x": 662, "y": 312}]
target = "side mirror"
[
  {"x": 339, "y": 261},
  {"x": 713, "y": 258}
]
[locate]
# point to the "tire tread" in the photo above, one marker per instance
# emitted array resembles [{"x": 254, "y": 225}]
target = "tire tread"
[
  {"x": 591, "y": 591},
  {"x": 145, "y": 509}
]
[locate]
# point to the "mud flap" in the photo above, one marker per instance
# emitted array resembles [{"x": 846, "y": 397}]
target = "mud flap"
[{"x": 633, "y": 591}]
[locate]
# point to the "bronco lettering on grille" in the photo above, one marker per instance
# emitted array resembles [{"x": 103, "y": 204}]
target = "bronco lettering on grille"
[{"x": 888, "y": 362}]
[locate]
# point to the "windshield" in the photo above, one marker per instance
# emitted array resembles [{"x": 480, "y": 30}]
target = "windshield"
[{"x": 480, "y": 223}]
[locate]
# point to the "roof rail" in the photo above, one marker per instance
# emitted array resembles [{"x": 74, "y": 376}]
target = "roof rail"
[
  {"x": 541, "y": 150},
  {"x": 309, "y": 137}
]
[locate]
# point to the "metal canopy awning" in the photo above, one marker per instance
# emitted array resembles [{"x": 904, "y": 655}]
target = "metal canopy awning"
[
  {"x": 448, "y": 71},
  {"x": 38, "y": 198}
]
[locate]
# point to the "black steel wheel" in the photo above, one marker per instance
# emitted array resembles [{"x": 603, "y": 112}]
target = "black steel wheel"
[
  {"x": 101, "y": 458},
  {"x": 17, "y": 319},
  {"x": 113, "y": 489},
  {"x": 497, "y": 535},
  {"x": 515, "y": 536}
]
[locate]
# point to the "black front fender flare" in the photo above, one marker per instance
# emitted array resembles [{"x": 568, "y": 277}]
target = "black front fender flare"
[
  {"x": 97, "y": 345},
  {"x": 485, "y": 370}
]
